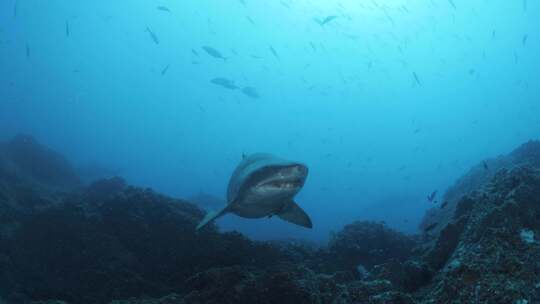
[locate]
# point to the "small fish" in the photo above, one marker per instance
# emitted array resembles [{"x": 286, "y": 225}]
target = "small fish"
[
  {"x": 250, "y": 92},
  {"x": 274, "y": 52},
  {"x": 389, "y": 18},
  {"x": 431, "y": 197},
  {"x": 524, "y": 39},
  {"x": 284, "y": 4},
  {"x": 430, "y": 227},
  {"x": 194, "y": 52},
  {"x": 452, "y": 3},
  {"x": 224, "y": 82},
  {"x": 164, "y": 9},
  {"x": 485, "y": 166},
  {"x": 67, "y": 29},
  {"x": 325, "y": 20},
  {"x": 152, "y": 35},
  {"x": 27, "y": 51},
  {"x": 250, "y": 20},
  {"x": 493, "y": 35},
  {"x": 213, "y": 52},
  {"x": 164, "y": 71},
  {"x": 417, "y": 79},
  {"x": 313, "y": 46},
  {"x": 242, "y": 2},
  {"x": 15, "y": 8}
]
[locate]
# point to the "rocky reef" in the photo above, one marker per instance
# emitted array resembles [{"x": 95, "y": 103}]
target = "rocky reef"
[{"x": 109, "y": 242}]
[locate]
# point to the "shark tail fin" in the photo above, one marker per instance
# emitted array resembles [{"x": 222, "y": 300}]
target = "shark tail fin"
[
  {"x": 210, "y": 216},
  {"x": 294, "y": 214}
]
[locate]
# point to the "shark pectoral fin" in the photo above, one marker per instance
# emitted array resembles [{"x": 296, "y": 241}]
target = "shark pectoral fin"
[
  {"x": 294, "y": 214},
  {"x": 212, "y": 215}
]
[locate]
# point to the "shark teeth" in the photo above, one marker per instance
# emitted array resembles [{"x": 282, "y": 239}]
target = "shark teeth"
[{"x": 281, "y": 185}]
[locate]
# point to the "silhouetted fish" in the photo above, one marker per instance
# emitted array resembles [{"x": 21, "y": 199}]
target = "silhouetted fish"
[
  {"x": 452, "y": 3},
  {"x": 164, "y": 71},
  {"x": 27, "y": 51},
  {"x": 250, "y": 20},
  {"x": 213, "y": 52},
  {"x": 152, "y": 35},
  {"x": 431, "y": 197},
  {"x": 417, "y": 79},
  {"x": 274, "y": 52},
  {"x": 164, "y": 9},
  {"x": 524, "y": 40},
  {"x": 250, "y": 92},
  {"x": 224, "y": 82},
  {"x": 67, "y": 29},
  {"x": 428, "y": 228},
  {"x": 485, "y": 165},
  {"x": 325, "y": 20},
  {"x": 194, "y": 52},
  {"x": 15, "y": 7}
]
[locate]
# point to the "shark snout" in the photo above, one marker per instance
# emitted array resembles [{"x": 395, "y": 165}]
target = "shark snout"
[{"x": 297, "y": 172}]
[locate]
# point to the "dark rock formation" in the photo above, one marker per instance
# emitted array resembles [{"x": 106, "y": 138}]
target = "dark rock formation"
[
  {"x": 113, "y": 243},
  {"x": 24, "y": 158},
  {"x": 367, "y": 244},
  {"x": 489, "y": 251},
  {"x": 132, "y": 242},
  {"x": 435, "y": 220},
  {"x": 207, "y": 201}
]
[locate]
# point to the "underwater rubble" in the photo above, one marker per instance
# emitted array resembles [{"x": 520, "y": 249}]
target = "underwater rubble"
[{"x": 109, "y": 242}]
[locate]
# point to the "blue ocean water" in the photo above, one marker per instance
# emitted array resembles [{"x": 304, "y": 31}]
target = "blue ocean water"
[{"x": 385, "y": 101}]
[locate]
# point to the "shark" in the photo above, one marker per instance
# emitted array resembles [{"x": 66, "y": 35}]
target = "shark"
[{"x": 264, "y": 185}]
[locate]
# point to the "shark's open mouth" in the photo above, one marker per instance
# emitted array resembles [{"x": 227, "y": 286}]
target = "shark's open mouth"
[{"x": 284, "y": 184}]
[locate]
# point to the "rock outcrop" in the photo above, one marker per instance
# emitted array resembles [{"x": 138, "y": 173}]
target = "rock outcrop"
[{"x": 109, "y": 242}]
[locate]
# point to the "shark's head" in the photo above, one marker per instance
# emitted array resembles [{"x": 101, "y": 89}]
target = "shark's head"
[{"x": 278, "y": 181}]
